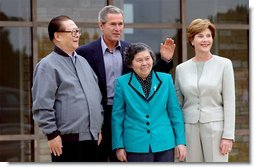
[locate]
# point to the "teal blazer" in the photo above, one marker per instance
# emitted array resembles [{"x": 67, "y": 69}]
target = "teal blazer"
[{"x": 139, "y": 122}]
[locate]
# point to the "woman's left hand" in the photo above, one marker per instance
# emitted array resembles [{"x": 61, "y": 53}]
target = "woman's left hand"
[
  {"x": 181, "y": 152},
  {"x": 226, "y": 146}
]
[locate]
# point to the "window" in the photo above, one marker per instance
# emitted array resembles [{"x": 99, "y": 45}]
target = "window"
[{"x": 15, "y": 10}]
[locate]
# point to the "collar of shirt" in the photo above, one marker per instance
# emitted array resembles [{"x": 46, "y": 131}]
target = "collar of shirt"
[
  {"x": 74, "y": 57},
  {"x": 146, "y": 84},
  {"x": 147, "y": 80},
  {"x": 105, "y": 48}
]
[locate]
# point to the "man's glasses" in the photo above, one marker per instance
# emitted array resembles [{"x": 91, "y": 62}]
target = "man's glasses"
[{"x": 73, "y": 32}]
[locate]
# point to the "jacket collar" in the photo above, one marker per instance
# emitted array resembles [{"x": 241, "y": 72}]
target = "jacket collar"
[
  {"x": 136, "y": 86},
  {"x": 61, "y": 52}
]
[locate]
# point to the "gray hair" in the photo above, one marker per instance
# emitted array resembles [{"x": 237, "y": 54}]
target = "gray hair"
[{"x": 106, "y": 10}]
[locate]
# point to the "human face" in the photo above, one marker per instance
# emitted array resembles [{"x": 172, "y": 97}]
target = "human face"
[
  {"x": 142, "y": 64},
  {"x": 112, "y": 29},
  {"x": 203, "y": 41},
  {"x": 68, "y": 41}
]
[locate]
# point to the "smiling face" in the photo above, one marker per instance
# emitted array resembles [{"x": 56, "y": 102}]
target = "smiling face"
[
  {"x": 65, "y": 40},
  {"x": 203, "y": 41},
  {"x": 142, "y": 64},
  {"x": 112, "y": 28}
]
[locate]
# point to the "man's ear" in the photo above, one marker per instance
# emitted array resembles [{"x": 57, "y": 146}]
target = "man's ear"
[
  {"x": 57, "y": 36},
  {"x": 100, "y": 25}
]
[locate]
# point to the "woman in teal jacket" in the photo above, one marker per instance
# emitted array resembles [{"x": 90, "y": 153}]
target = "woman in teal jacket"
[{"x": 147, "y": 122}]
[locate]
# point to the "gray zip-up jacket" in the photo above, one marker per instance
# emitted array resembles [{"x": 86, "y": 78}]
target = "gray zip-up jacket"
[{"x": 66, "y": 97}]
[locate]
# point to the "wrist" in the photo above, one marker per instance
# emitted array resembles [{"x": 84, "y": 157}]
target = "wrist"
[{"x": 167, "y": 60}]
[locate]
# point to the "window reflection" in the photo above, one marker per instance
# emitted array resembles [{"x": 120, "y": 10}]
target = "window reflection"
[
  {"x": 150, "y": 11},
  {"x": 152, "y": 37},
  {"x": 218, "y": 11},
  {"x": 15, "y": 74},
  {"x": 78, "y": 10},
  {"x": 15, "y": 10}
]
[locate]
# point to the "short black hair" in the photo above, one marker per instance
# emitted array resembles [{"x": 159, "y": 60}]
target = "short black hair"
[
  {"x": 55, "y": 25},
  {"x": 133, "y": 49}
]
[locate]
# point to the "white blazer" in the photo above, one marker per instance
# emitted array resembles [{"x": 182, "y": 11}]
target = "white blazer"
[{"x": 212, "y": 98}]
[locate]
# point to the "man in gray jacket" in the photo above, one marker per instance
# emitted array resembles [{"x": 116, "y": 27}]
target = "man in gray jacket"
[{"x": 66, "y": 97}]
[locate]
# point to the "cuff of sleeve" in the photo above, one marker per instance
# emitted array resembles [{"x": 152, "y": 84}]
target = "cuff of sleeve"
[
  {"x": 53, "y": 135},
  {"x": 167, "y": 61}
]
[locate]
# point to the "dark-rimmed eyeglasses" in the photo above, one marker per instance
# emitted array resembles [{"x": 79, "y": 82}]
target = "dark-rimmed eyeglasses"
[{"x": 73, "y": 32}]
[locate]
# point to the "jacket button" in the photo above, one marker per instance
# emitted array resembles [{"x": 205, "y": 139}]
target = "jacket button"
[
  {"x": 148, "y": 123},
  {"x": 147, "y": 116},
  {"x": 148, "y": 131}
]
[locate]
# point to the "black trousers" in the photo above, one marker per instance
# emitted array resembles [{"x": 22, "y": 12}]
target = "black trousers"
[
  {"x": 77, "y": 151},
  {"x": 163, "y": 156},
  {"x": 104, "y": 151}
]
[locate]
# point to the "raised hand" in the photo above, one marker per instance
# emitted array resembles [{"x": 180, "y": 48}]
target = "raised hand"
[{"x": 167, "y": 49}]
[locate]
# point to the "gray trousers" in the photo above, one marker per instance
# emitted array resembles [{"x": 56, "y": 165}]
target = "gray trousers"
[{"x": 203, "y": 142}]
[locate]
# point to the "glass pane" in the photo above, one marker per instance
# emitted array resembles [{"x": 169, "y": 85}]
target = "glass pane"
[
  {"x": 218, "y": 11},
  {"x": 150, "y": 11},
  {"x": 45, "y": 46},
  {"x": 15, "y": 10},
  {"x": 16, "y": 151},
  {"x": 15, "y": 80},
  {"x": 78, "y": 10},
  {"x": 152, "y": 37}
]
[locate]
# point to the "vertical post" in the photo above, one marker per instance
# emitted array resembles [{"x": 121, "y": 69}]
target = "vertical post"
[{"x": 184, "y": 26}]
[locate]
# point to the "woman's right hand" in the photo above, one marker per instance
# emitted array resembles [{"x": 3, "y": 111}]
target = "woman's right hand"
[{"x": 121, "y": 155}]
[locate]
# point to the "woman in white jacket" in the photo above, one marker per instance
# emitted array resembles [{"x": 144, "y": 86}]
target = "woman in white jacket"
[{"x": 206, "y": 93}]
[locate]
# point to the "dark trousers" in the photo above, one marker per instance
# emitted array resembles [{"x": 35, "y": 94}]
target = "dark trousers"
[
  {"x": 77, "y": 151},
  {"x": 104, "y": 151},
  {"x": 163, "y": 156}
]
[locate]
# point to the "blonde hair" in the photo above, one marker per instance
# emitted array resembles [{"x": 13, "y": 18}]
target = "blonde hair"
[{"x": 197, "y": 26}]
